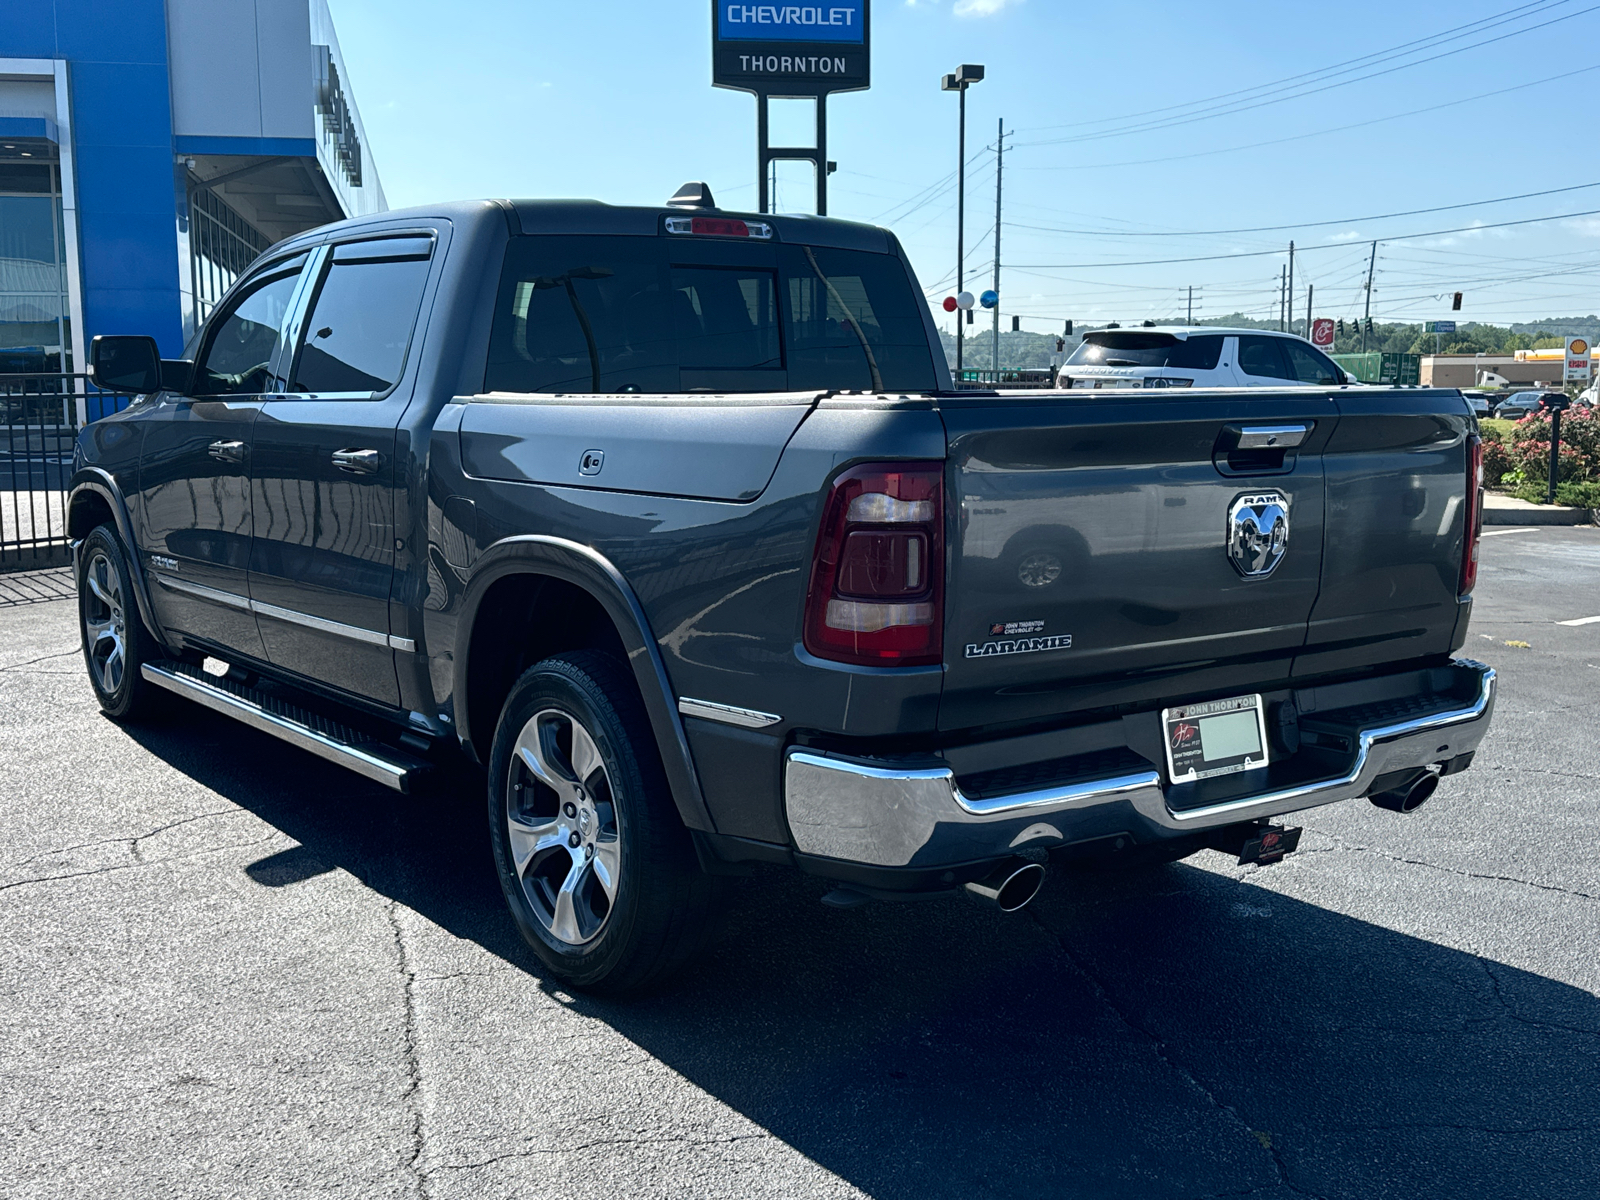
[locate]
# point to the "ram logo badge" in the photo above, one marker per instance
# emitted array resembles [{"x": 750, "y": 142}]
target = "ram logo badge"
[{"x": 1258, "y": 533}]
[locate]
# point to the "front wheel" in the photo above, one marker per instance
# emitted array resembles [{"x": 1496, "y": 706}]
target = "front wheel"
[
  {"x": 116, "y": 643},
  {"x": 596, "y": 866}
]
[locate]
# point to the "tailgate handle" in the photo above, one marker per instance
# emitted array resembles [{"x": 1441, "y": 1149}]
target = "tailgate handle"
[{"x": 1271, "y": 437}]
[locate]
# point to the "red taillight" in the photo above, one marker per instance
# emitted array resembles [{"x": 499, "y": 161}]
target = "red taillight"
[
  {"x": 1469, "y": 548},
  {"x": 877, "y": 575},
  {"x": 719, "y": 227}
]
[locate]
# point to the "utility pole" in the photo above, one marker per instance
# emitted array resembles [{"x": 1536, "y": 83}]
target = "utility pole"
[
  {"x": 1283, "y": 274},
  {"x": 1311, "y": 289},
  {"x": 1290, "y": 326},
  {"x": 999, "y": 166},
  {"x": 1191, "y": 304},
  {"x": 1367, "y": 316}
]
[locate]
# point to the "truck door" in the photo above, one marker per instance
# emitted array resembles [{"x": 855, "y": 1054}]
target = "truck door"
[
  {"x": 193, "y": 507},
  {"x": 325, "y": 470}
]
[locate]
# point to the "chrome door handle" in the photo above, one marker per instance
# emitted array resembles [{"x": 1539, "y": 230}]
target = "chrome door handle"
[
  {"x": 230, "y": 452},
  {"x": 357, "y": 462},
  {"x": 1272, "y": 437}
]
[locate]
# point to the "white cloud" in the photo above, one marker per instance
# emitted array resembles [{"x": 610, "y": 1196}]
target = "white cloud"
[
  {"x": 1585, "y": 226},
  {"x": 1348, "y": 235},
  {"x": 982, "y": 8}
]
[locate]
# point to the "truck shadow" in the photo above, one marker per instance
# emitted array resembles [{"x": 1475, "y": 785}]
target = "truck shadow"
[{"x": 1175, "y": 1034}]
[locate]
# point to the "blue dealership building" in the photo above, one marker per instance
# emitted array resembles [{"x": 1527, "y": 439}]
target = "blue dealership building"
[{"x": 149, "y": 149}]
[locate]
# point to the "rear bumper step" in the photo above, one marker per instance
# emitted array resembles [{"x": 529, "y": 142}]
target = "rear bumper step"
[{"x": 300, "y": 727}]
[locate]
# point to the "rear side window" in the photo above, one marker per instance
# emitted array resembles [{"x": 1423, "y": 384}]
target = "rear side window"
[
  {"x": 635, "y": 314},
  {"x": 1134, "y": 348},
  {"x": 355, "y": 336},
  {"x": 1263, "y": 356},
  {"x": 1310, "y": 365}
]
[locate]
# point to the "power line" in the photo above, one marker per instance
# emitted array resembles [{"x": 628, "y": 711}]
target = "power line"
[
  {"x": 1411, "y": 46},
  {"x": 1173, "y": 122},
  {"x": 1298, "y": 137}
]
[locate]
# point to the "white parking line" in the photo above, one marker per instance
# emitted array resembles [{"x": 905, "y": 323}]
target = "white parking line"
[
  {"x": 1520, "y": 529},
  {"x": 1581, "y": 621}
]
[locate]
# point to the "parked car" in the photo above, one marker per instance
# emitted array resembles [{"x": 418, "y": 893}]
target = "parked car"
[
  {"x": 1482, "y": 403},
  {"x": 1198, "y": 356},
  {"x": 1518, "y": 405},
  {"x": 667, "y": 524}
]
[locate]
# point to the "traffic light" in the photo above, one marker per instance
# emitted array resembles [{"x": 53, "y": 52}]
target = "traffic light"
[
  {"x": 1068, "y": 331},
  {"x": 1016, "y": 324},
  {"x": 1369, "y": 326},
  {"x": 1455, "y": 305},
  {"x": 1341, "y": 326},
  {"x": 969, "y": 316},
  {"x": 1061, "y": 344}
]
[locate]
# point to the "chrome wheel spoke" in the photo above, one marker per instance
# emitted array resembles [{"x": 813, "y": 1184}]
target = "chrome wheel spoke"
[
  {"x": 564, "y": 921},
  {"x": 607, "y": 867},
  {"x": 585, "y": 755},
  {"x": 533, "y": 750},
  {"x": 529, "y": 838}
]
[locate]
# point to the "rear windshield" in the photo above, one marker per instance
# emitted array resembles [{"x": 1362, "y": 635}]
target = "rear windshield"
[
  {"x": 1138, "y": 348},
  {"x": 635, "y": 314}
]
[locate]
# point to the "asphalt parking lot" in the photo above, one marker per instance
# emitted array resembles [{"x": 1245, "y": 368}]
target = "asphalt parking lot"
[{"x": 230, "y": 969}]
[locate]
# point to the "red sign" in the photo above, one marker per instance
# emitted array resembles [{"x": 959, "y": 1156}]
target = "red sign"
[{"x": 1322, "y": 333}]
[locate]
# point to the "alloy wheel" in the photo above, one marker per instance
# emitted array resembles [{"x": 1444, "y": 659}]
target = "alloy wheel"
[
  {"x": 565, "y": 832},
  {"x": 105, "y": 624}
]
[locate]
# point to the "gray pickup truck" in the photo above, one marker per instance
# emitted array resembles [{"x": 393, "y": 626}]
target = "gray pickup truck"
[{"x": 669, "y": 522}]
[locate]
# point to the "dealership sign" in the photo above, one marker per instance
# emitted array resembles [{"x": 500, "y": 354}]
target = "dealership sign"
[
  {"x": 1577, "y": 360},
  {"x": 791, "y": 49}
]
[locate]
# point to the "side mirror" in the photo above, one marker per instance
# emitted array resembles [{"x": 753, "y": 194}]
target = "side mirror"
[
  {"x": 177, "y": 375},
  {"x": 125, "y": 364}
]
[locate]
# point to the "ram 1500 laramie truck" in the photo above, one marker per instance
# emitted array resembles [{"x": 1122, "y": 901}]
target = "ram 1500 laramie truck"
[{"x": 670, "y": 520}]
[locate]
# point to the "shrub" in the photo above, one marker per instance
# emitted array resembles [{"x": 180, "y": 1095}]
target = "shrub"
[
  {"x": 1580, "y": 430},
  {"x": 1495, "y": 432},
  {"x": 1584, "y": 494},
  {"x": 1497, "y": 462},
  {"x": 1531, "y": 463}
]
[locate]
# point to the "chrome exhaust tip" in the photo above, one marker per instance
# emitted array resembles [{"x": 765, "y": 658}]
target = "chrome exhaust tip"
[
  {"x": 1010, "y": 885},
  {"x": 1408, "y": 799}
]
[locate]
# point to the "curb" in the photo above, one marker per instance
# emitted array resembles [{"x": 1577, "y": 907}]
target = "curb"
[{"x": 1535, "y": 514}]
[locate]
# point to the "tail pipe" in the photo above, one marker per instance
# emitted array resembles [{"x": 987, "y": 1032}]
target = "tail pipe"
[
  {"x": 1010, "y": 885},
  {"x": 1409, "y": 798}
]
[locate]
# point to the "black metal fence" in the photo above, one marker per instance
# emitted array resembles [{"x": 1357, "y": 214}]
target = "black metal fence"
[{"x": 40, "y": 416}]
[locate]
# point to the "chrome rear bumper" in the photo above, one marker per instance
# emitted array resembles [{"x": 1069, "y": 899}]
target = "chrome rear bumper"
[{"x": 882, "y": 815}]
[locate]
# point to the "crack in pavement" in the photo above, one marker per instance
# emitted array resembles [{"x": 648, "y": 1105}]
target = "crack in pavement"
[
  {"x": 1159, "y": 1045},
  {"x": 411, "y": 1095},
  {"x": 1506, "y": 1007},
  {"x": 40, "y": 659},
  {"x": 1341, "y": 845},
  {"x": 130, "y": 866},
  {"x": 679, "y": 1139},
  {"x": 133, "y": 839}
]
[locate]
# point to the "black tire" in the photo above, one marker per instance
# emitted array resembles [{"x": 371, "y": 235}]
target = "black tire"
[
  {"x": 113, "y": 635},
  {"x": 616, "y": 806}
]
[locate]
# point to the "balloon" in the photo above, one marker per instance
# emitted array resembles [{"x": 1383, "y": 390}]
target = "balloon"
[
  {"x": 964, "y": 300},
  {"x": 949, "y": 304},
  {"x": 989, "y": 299}
]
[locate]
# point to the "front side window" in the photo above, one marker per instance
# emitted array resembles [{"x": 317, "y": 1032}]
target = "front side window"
[
  {"x": 642, "y": 314},
  {"x": 1263, "y": 357},
  {"x": 359, "y": 325},
  {"x": 1311, "y": 366},
  {"x": 238, "y": 355}
]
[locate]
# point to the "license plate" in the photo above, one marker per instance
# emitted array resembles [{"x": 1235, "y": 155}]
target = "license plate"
[{"x": 1218, "y": 737}]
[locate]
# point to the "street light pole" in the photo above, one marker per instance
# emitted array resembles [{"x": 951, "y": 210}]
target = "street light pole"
[{"x": 965, "y": 76}]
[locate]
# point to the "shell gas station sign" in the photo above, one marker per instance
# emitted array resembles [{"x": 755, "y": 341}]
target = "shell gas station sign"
[{"x": 1577, "y": 360}]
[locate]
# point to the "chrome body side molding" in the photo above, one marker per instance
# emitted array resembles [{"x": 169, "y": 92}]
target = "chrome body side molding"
[
  {"x": 354, "y": 632},
  {"x": 890, "y": 816},
  {"x": 710, "y": 710}
]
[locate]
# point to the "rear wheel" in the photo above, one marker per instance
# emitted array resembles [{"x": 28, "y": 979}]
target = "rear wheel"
[
  {"x": 116, "y": 643},
  {"x": 598, "y": 870}
]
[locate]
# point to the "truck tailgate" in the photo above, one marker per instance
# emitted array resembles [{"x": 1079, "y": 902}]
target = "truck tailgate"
[{"x": 1090, "y": 563}]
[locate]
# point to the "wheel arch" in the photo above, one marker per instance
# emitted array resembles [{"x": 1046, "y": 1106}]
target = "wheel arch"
[
  {"x": 552, "y": 577},
  {"x": 94, "y": 499}
]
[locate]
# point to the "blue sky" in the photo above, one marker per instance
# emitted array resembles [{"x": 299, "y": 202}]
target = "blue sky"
[{"x": 1120, "y": 156}]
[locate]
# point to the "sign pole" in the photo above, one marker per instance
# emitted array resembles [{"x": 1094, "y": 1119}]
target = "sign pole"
[{"x": 1555, "y": 454}]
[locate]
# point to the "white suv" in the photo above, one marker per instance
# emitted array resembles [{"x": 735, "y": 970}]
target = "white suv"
[{"x": 1198, "y": 356}]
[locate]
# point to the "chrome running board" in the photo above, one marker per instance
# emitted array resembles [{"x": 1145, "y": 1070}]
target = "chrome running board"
[{"x": 323, "y": 737}]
